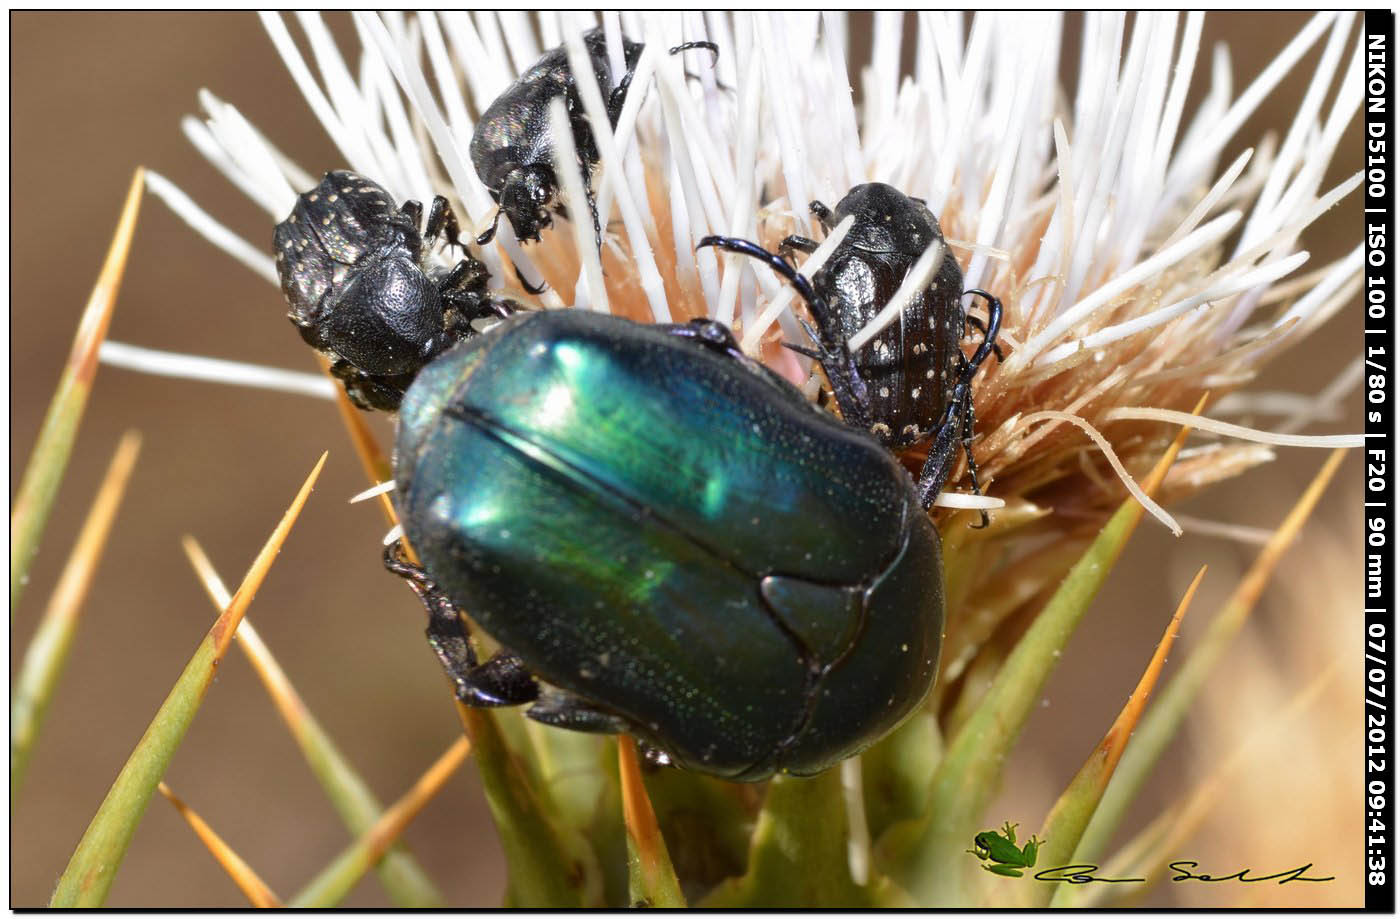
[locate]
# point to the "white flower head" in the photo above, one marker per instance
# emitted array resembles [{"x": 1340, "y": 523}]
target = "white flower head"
[{"x": 1137, "y": 270}]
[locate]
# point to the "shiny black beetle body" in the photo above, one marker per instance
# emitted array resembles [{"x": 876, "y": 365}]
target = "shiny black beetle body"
[
  {"x": 360, "y": 290},
  {"x": 672, "y": 539},
  {"x": 911, "y": 382},
  {"x": 911, "y": 367},
  {"x": 512, "y": 150}
]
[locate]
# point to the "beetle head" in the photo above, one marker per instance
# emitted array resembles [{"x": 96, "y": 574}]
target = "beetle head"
[
  {"x": 525, "y": 197},
  {"x": 887, "y": 220}
]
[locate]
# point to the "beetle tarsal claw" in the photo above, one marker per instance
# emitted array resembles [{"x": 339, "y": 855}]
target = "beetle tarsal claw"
[{"x": 565, "y": 710}]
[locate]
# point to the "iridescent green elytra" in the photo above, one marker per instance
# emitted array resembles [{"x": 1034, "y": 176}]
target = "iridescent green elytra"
[{"x": 674, "y": 537}]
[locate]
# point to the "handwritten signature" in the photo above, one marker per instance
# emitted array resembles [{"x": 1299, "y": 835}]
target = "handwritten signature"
[{"x": 1084, "y": 874}]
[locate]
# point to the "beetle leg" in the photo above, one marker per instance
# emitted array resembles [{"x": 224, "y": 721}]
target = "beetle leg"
[
  {"x": 981, "y": 327},
  {"x": 463, "y": 289},
  {"x": 502, "y": 680},
  {"x": 469, "y": 305},
  {"x": 969, "y": 416},
  {"x": 707, "y": 46},
  {"x": 442, "y": 219},
  {"x": 618, "y": 96},
  {"x": 565, "y": 710},
  {"x": 490, "y": 232},
  {"x": 805, "y": 352},
  {"x": 989, "y": 336},
  {"x": 369, "y": 393},
  {"x": 690, "y": 45},
  {"x": 836, "y": 358},
  {"x": 413, "y": 210},
  {"x": 593, "y": 210},
  {"x": 956, "y": 424},
  {"x": 940, "y": 455},
  {"x": 711, "y": 334},
  {"x": 501, "y": 306},
  {"x": 461, "y": 278},
  {"x": 968, "y": 424},
  {"x": 800, "y": 243},
  {"x": 846, "y": 385},
  {"x": 654, "y": 757},
  {"x": 529, "y": 288},
  {"x": 811, "y": 332}
]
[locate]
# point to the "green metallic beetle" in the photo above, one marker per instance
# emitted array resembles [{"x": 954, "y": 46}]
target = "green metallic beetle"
[{"x": 665, "y": 539}]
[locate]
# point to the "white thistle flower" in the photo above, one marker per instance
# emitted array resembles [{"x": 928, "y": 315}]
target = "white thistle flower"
[{"x": 1137, "y": 273}]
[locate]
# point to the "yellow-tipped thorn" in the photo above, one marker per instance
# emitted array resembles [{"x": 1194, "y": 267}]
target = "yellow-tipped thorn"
[
  {"x": 1117, "y": 737},
  {"x": 94, "y": 863},
  {"x": 1160, "y": 725},
  {"x": 49, "y": 458},
  {"x": 341, "y": 875},
  {"x": 48, "y": 649},
  {"x": 651, "y": 875},
  {"x": 407, "y": 884},
  {"x": 284, "y": 695},
  {"x": 1147, "y": 854},
  {"x": 372, "y": 458},
  {"x": 1064, "y": 825},
  {"x": 253, "y": 887},
  {"x": 238, "y": 604}
]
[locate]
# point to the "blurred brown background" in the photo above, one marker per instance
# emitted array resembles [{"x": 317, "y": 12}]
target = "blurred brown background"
[{"x": 95, "y": 95}]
